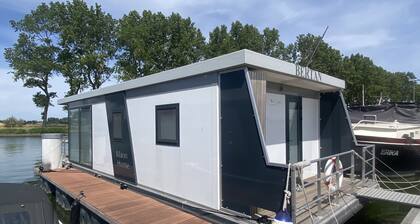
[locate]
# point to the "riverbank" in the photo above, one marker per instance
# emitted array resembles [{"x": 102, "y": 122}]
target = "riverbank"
[{"x": 31, "y": 131}]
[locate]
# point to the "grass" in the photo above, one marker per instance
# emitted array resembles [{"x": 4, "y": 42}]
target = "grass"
[{"x": 32, "y": 130}]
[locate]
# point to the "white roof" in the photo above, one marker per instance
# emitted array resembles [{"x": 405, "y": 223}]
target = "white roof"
[{"x": 227, "y": 61}]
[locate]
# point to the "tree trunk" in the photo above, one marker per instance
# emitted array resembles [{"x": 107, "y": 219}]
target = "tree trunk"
[{"x": 45, "y": 116}]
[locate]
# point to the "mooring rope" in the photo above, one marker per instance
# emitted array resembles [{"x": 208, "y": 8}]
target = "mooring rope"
[
  {"x": 304, "y": 193},
  {"x": 390, "y": 168}
]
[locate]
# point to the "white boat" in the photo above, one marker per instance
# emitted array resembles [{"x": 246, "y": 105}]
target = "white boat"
[{"x": 397, "y": 144}]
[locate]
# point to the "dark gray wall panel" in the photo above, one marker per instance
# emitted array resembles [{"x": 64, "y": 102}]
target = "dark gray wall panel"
[
  {"x": 336, "y": 133},
  {"x": 121, "y": 147},
  {"x": 87, "y": 102},
  {"x": 175, "y": 85},
  {"x": 247, "y": 182}
]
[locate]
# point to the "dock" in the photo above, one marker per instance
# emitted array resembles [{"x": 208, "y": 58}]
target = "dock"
[
  {"x": 114, "y": 205},
  {"x": 413, "y": 217}
]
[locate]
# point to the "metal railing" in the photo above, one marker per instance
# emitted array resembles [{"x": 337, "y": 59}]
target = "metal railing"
[{"x": 368, "y": 156}]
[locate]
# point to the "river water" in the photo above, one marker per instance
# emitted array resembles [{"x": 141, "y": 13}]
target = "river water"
[{"x": 19, "y": 155}]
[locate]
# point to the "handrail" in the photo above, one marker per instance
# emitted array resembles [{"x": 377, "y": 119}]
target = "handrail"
[
  {"x": 368, "y": 157},
  {"x": 395, "y": 123}
]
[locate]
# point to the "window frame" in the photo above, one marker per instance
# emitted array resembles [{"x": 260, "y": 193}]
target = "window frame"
[{"x": 167, "y": 142}]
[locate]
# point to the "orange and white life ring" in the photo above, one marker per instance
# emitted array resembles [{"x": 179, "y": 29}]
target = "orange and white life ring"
[{"x": 331, "y": 181}]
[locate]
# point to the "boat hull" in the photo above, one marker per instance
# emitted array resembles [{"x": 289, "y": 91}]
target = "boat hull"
[{"x": 402, "y": 155}]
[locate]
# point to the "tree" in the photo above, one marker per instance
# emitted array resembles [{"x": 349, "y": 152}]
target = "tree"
[
  {"x": 272, "y": 46},
  {"x": 87, "y": 39},
  {"x": 219, "y": 42},
  {"x": 325, "y": 59},
  {"x": 151, "y": 42},
  {"x": 34, "y": 55},
  {"x": 12, "y": 122},
  {"x": 244, "y": 37}
]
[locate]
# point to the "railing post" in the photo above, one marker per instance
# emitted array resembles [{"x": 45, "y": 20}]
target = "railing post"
[
  {"x": 318, "y": 184},
  {"x": 337, "y": 173},
  {"x": 363, "y": 164},
  {"x": 352, "y": 168},
  {"x": 293, "y": 191},
  {"x": 373, "y": 163}
]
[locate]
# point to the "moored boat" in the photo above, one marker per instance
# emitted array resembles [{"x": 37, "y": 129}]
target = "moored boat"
[{"x": 395, "y": 131}]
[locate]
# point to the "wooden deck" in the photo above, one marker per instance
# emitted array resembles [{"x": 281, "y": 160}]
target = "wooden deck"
[{"x": 113, "y": 204}]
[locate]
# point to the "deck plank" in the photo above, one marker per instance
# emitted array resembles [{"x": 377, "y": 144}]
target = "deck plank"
[{"x": 120, "y": 206}]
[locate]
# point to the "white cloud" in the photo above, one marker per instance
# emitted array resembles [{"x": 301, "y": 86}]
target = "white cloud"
[{"x": 351, "y": 42}]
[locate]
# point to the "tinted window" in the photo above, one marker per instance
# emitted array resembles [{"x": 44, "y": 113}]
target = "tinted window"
[
  {"x": 80, "y": 135},
  {"x": 117, "y": 125},
  {"x": 74, "y": 134},
  {"x": 167, "y": 124}
]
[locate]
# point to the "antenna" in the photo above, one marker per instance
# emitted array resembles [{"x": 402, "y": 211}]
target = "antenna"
[{"x": 316, "y": 47}]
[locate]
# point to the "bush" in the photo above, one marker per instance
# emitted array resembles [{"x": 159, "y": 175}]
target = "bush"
[{"x": 36, "y": 130}]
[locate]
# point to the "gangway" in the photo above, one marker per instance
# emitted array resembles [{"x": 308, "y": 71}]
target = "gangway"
[{"x": 390, "y": 196}]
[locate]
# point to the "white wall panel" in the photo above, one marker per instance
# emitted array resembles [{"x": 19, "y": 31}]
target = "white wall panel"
[
  {"x": 102, "y": 157},
  {"x": 276, "y": 128},
  {"x": 190, "y": 171},
  {"x": 310, "y": 133}
]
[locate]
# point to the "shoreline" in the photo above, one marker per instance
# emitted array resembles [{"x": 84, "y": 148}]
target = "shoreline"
[{"x": 22, "y": 135}]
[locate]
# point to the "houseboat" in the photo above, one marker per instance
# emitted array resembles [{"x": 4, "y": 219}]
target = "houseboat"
[{"x": 218, "y": 133}]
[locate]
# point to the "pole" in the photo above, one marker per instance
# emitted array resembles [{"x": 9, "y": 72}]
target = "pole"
[
  {"x": 414, "y": 92},
  {"x": 363, "y": 95}
]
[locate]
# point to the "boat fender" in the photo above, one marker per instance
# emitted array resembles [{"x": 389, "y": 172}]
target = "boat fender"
[{"x": 329, "y": 166}]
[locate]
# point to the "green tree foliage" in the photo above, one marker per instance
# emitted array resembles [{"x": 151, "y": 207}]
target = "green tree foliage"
[
  {"x": 87, "y": 41},
  {"x": 325, "y": 59},
  {"x": 357, "y": 70},
  {"x": 34, "y": 55},
  {"x": 244, "y": 37},
  {"x": 152, "y": 42},
  {"x": 81, "y": 42}
]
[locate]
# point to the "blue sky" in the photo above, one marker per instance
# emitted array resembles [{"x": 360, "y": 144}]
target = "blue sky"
[{"x": 386, "y": 31}]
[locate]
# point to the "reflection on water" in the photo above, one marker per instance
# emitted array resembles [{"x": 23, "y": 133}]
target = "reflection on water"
[{"x": 18, "y": 156}]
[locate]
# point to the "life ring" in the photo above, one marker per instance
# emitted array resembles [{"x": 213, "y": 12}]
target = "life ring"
[{"x": 329, "y": 166}]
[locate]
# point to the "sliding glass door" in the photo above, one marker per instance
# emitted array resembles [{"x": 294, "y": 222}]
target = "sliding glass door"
[{"x": 80, "y": 136}]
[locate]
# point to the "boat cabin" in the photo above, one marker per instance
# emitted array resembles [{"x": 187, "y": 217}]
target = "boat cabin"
[{"x": 219, "y": 133}]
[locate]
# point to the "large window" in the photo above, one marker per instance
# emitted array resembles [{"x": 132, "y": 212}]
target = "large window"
[
  {"x": 167, "y": 124},
  {"x": 80, "y": 136}
]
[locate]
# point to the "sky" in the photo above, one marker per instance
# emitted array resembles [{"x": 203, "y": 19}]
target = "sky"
[{"x": 386, "y": 31}]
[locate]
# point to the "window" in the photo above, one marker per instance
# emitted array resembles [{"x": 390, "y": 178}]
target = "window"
[
  {"x": 74, "y": 134},
  {"x": 85, "y": 136},
  {"x": 167, "y": 124},
  {"x": 117, "y": 126},
  {"x": 80, "y": 135}
]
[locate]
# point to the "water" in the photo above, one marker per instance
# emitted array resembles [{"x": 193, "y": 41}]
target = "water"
[
  {"x": 386, "y": 212},
  {"x": 18, "y": 157}
]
